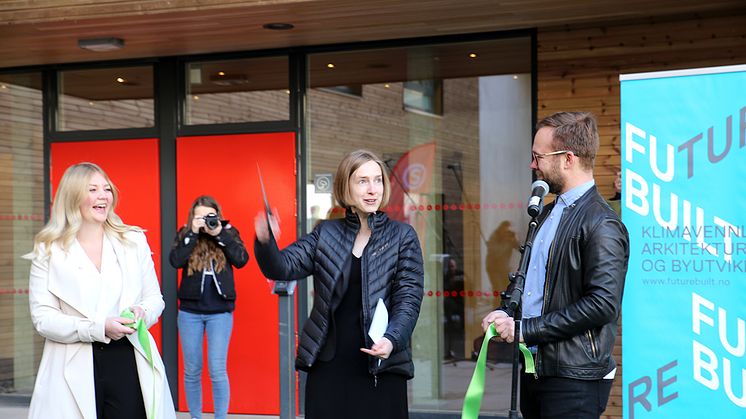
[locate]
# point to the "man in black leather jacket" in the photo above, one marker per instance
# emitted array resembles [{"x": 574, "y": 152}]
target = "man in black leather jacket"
[{"x": 575, "y": 279}]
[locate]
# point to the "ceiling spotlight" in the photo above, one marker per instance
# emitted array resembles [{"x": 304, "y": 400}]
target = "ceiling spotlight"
[
  {"x": 472, "y": 55},
  {"x": 330, "y": 65},
  {"x": 101, "y": 44},
  {"x": 278, "y": 26},
  {"x": 221, "y": 73},
  {"x": 120, "y": 80}
]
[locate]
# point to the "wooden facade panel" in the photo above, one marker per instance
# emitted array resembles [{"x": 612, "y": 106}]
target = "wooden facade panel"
[
  {"x": 659, "y": 30},
  {"x": 667, "y": 61},
  {"x": 576, "y": 82},
  {"x": 608, "y": 90},
  {"x": 622, "y": 53},
  {"x": 543, "y": 11},
  {"x": 52, "y": 10}
]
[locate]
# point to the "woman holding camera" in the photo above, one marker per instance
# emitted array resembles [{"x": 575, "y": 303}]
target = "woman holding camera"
[{"x": 206, "y": 249}]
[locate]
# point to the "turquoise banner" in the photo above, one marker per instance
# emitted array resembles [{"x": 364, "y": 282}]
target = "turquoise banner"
[{"x": 684, "y": 204}]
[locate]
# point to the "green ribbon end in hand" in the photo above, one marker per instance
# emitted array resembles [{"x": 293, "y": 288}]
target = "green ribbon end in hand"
[
  {"x": 475, "y": 392},
  {"x": 144, "y": 338}
]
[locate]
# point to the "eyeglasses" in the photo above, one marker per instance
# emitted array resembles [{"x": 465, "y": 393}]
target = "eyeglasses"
[{"x": 536, "y": 156}]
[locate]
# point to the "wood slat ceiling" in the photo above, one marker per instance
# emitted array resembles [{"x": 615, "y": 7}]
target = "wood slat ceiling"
[
  {"x": 35, "y": 32},
  {"x": 387, "y": 65}
]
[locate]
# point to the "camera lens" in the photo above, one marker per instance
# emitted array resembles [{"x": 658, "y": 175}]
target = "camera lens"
[{"x": 211, "y": 221}]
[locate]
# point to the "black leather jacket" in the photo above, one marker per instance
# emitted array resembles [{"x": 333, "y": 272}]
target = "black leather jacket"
[
  {"x": 391, "y": 269},
  {"x": 229, "y": 241},
  {"x": 586, "y": 268}
]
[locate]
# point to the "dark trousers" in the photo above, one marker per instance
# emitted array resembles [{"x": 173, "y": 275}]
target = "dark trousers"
[
  {"x": 117, "y": 385},
  {"x": 563, "y": 398}
]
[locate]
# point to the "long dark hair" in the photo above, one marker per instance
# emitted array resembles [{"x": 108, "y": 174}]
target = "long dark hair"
[{"x": 206, "y": 249}]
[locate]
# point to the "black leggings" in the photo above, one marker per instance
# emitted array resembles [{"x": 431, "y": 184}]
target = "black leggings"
[{"x": 117, "y": 385}]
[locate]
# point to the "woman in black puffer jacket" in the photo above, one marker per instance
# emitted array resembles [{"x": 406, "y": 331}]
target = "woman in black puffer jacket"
[{"x": 355, "y": 261}]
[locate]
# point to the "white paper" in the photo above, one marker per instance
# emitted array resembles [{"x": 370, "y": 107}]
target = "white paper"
[{"x": 380, "y": 322}]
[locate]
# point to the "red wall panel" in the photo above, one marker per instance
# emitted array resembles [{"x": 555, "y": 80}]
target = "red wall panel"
[
  {"x": 133, "y": 167},
  {"x": 226, "y": 168}
]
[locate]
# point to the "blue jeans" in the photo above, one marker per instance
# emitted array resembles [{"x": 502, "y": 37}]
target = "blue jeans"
[{"x": 191, "y": 332}]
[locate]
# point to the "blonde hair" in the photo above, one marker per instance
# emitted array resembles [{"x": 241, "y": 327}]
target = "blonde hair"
[
  {"x": 349, "y": 164},
  {"x": 205, "y": 250},
  {"x": 65, "y": 219}
]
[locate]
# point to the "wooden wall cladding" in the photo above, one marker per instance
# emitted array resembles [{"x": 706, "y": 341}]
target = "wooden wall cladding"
[{"x": 579, "y": 68}]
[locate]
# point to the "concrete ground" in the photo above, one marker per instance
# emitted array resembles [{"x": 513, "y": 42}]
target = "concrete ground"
[
  {"x": 16, "y": 407},
  {"x": 495, "y": 403}
]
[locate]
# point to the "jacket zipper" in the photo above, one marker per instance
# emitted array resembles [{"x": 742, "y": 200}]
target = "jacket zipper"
[
  {"x": 546, "y": 285},
  {"x": 593, "y": 342},
  {"x": 364, "y": 286},
  {"x": 546, "y": 297}
]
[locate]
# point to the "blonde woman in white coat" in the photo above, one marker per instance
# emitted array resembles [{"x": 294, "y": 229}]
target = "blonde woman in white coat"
[{"x": 87, "y": 268}]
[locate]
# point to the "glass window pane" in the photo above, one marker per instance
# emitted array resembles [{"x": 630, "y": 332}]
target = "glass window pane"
[
  {"x": 250, "y": 90},
  {"x": 424, "y": 96},
  {"x": 453, "y": 124},
  {"x": 106, "y": 98},
  {"x": 21, "y": 217}
]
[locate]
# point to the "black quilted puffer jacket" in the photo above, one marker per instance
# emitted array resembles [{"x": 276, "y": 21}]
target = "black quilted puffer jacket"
[{"x": 391, "y": 268}]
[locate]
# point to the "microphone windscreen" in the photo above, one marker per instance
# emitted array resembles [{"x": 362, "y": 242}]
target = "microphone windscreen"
[
  {"x": 539, "y": 190},
  {"x": 540, "y": 184}
]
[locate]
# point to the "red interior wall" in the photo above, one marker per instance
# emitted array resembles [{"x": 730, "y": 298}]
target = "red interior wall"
[
  {"x": 132, "y": 165},
  {"x": 226, "y": 167}
]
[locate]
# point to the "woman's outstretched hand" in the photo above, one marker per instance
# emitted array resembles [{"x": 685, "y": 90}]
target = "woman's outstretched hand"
[
  {"x": 381, "y": 349},
  {"x": 261, "y": 228}
]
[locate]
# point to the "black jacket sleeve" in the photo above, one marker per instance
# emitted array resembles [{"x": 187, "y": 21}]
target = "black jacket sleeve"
[
  {"x": 182, "y": 247},
  {"x": 407, "y": 290},
  {"x": 293, "y": 262},
  {"x": 230, "y": 241}
]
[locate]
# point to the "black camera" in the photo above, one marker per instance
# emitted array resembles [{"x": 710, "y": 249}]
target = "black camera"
[{"x": 211, "y": 221}]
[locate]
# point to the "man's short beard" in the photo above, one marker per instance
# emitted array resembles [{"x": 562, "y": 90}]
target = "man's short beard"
[{"x": 554, "y": 186}]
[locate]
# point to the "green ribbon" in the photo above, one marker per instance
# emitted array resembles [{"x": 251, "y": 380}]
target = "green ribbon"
[
  {"x": 473, "y": 398},
  {"x": 144, "y": 338}
]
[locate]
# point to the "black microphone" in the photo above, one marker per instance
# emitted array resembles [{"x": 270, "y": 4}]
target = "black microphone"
[{"x": 539, "y": 190}]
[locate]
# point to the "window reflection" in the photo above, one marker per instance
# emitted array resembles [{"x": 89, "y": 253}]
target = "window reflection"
[
  {"x": 21, "y": 216},
  {"x": 424, "y": 96},
  {"x": 106, "y": 98},
  {"x": 231, "y": 91}
]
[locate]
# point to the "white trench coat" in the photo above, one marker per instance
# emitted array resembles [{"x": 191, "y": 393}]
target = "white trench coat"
[{"x": 63, "y": 310}]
